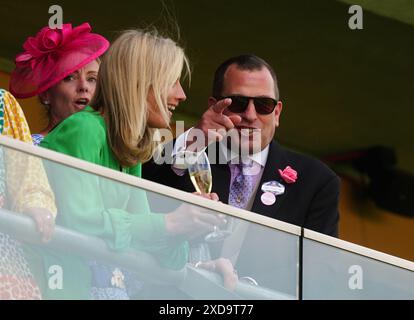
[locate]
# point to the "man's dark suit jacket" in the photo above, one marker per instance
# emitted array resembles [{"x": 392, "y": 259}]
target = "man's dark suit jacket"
[{"x": 311, "y": 202}]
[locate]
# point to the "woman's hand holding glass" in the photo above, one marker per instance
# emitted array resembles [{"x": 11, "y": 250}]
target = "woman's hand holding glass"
[
  {"x": 199, "y": 170},
  {"x": 193, "y": 221}
]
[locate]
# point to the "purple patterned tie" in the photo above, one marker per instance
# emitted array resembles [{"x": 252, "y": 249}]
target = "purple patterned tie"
[{"x": 242, "y": 186}]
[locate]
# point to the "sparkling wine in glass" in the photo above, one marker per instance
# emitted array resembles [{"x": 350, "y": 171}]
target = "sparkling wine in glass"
[
  {"x": 200, "y": 174},
  {"x": 202, "y": 180}
]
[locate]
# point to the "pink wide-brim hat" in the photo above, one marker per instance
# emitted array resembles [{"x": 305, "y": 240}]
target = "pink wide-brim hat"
[{"x": 52, "y": 55}]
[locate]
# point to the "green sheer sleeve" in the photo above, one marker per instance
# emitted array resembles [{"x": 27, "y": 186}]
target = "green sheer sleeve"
[{"x": 102, "y": 207}]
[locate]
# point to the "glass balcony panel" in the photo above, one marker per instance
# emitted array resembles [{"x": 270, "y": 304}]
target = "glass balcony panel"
[
  {"x": 111, "y": 242},
  {"x": 337, "y": 269}
]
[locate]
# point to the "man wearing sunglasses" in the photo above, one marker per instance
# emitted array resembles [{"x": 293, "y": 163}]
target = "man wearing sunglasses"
[
  {"x": 246, "y": 106},
  {"x": 245, "y": 99}
]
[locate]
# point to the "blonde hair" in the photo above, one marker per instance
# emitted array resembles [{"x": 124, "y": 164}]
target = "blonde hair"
[{"x": 136, "y": 62}]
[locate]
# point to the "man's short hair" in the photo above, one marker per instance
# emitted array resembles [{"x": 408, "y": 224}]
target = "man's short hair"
[{"x": 248, "y": 62}]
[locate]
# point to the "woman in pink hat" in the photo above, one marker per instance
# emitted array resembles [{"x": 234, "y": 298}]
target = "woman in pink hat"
[{"x": 61, "y": 67}]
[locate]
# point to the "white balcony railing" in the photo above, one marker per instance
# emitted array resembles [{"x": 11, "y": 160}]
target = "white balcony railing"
[{"x": 288, "y": 262}]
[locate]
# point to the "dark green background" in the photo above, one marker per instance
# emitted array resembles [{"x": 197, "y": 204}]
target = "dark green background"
[{"x": 341, "y": 89}]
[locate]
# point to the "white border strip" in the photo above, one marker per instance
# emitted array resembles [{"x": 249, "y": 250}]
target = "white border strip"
[
  {"x": 148, "y": 185},
  {"x": 354, "y": 248}
]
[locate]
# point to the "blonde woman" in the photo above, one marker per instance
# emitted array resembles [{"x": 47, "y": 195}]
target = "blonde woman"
[{"x": 138, "y": 88}]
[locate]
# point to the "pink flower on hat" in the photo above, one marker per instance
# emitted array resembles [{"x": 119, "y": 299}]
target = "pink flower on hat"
[
  {"x": 288, "y": 174},
  {"x": 48, "y": 41}
]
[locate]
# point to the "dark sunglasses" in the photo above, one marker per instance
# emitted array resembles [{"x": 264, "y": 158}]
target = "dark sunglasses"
[{"x": 263, "y": 105}]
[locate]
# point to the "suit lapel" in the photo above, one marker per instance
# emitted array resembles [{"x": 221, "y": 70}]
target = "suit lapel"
[
  {"x": 276, "y": 159},
  {"x": 221, "y": 177}
]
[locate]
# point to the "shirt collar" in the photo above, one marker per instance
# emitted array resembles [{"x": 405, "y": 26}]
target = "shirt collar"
[{"x": 258, "y": 157}]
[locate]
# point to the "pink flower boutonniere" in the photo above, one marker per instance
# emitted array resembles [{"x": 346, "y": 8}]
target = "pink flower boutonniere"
[{"x": 288, "y": 174}]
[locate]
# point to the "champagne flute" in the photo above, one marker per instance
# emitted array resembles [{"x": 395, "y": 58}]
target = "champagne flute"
[
  {"x": 200, "y": 171},
  {"x": 200, "y": 174}
]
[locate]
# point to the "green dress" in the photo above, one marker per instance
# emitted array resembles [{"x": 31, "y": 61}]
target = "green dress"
[{"x": 100, "y": 207}]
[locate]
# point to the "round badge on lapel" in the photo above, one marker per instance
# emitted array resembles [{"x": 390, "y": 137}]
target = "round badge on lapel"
[{"x": 268, "y": 198}]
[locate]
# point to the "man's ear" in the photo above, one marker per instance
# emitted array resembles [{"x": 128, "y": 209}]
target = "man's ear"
[
  {"x": 211, "y": 101},
  {"x": 277, "y": 112}
]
